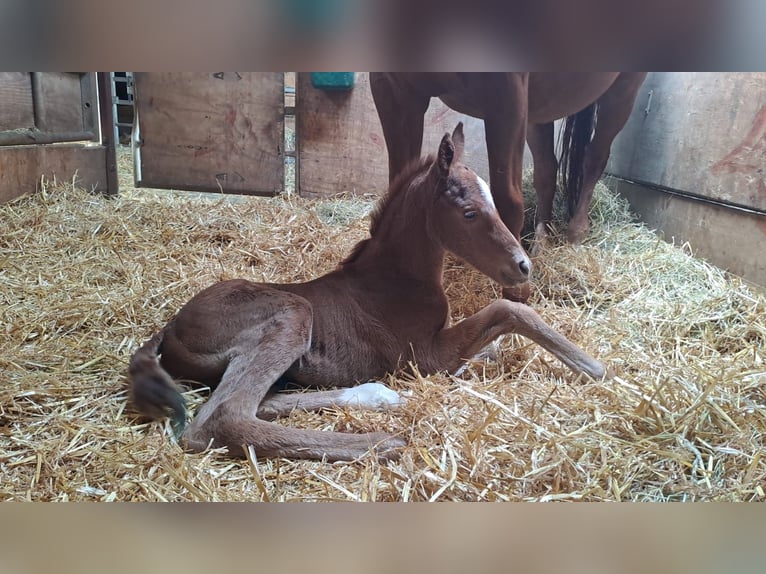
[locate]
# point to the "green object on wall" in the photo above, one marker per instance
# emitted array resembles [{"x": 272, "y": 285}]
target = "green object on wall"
[
  {"x": 315, "y": 15},
  {"x": 332, "y": 80}
]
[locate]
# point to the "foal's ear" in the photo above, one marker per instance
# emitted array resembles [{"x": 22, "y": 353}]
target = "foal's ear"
[
  {"x": 459, "y": 140},
  {"x": 451, "y": 150},
  {"x": 446, "y": 155}
]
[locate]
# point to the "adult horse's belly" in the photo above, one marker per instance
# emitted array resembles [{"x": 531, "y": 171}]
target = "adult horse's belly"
[{"x": 554, "y": 95}]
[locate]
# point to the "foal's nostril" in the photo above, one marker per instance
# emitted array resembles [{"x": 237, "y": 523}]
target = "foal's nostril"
[{"x": 524, "y": 266}]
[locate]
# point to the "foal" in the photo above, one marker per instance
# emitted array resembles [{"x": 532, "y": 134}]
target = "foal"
[{"x": 382, "y": 307}]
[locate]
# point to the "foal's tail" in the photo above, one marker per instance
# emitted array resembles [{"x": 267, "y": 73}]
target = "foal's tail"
[
  {"x": 152, "y": 389},
  {"x": 577, "y": 135}
]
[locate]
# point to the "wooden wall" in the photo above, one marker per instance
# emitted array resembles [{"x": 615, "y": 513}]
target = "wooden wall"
[
  {"x": 221, "y": 131},
  {"x": 22, "y": 167},
  {"x": 700, "y": 135},
  {"x": 16, "y": 109},
  {"x": 38, "y": 109},
  {"x": 704, "y": 133},
  {"x": 341, "y": 144}
]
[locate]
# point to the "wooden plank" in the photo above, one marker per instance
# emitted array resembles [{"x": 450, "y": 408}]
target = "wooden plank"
[
  {"x": 58, "y": 102},
  {"x": 211, "y": 132},
  {"x": 89, "y": 100},
  {"x": 21, "y": 167},
  {"x": 341, "y": 144},
  {"x": 30, "y": 137},
  {"x": 704, "y": 133},
  {"x": 729, "y": 238},
  {"x": 16, "y": 109}
]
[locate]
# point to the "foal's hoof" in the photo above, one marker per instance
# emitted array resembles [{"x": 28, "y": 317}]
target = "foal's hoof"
[
  {"x": 519, "y": 293},
  {"x": 386, "y": 446},
  {"x": 371, "y": 395}
]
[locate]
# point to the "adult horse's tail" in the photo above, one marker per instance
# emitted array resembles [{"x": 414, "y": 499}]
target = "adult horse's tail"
[
  {"x": 152, "y": 390},
  {"x": 575, "y": 139}
]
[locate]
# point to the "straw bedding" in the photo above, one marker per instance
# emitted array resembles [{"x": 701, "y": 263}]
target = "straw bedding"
[{"x": 84, "y": 280}]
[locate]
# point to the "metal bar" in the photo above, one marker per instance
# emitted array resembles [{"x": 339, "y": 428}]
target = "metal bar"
[
  {"x": 118, "y": 103},
  {"x": 687, "y": 195},
  {"x": 27, "y": 137},
  {"x": 210, "y": 189},
  {"x": 106, "y": 119},
  {"x": 112, "y": 79},
  {"x": 298, "y": 140}
]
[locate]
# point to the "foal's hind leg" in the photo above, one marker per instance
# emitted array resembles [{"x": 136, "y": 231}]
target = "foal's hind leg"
[
  {"x": 371, "y": 395},
  {"x": 260, "y": 355},
  {"x": 465, "y": 339},
  {"x": 614, "y": 108}
]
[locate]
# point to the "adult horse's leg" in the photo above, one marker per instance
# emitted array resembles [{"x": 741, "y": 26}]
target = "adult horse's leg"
[
  {"x": 614, "y": 108},
  {"x": 505, "y": 124},
  {"x": 540, "y": 140},
  {"x": 401, "y": 112},
  {"x": 277, "y": 336},
  {"x": 457, "y": 343}
]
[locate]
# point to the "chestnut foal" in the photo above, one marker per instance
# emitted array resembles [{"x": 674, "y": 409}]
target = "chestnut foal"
[{"x": 381, "y": 308}]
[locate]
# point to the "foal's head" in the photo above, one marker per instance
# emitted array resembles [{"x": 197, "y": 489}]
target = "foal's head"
[{"x": 464, "y": 219}]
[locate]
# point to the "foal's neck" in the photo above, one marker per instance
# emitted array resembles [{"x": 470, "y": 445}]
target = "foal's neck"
[{"x": 401, "y": 247}]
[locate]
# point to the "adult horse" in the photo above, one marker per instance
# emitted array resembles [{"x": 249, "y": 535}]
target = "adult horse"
[
  {"x": 515, "y": 107},
  {"x": 383, "y": 307}
]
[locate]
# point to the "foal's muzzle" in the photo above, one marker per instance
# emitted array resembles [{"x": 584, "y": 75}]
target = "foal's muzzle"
[
  {"x": 525, "y": 266},
  {"x": 517, "y": 271}
]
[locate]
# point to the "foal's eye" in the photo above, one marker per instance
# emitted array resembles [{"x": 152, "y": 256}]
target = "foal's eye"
[{"x": 469, "y": 214}]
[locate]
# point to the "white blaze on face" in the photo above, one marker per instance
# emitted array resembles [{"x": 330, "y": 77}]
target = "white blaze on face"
[{"x": 485, "y": 191}]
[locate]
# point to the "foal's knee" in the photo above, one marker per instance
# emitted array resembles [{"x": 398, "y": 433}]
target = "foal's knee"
[{"x": 514, "y": 312}]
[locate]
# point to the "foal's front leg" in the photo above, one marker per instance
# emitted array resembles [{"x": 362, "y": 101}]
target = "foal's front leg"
[{"x": 465, "y": 339}]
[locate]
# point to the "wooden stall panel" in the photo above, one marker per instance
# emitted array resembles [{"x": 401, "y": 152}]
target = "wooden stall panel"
[
  {"x": 341, "y": 146},
  {"x": 732, "y": 239},
  {"x": 16, "y": 107},
  {"x": 60, "y": 103},
  {"x": 701, "y": 133},
  {"x": 211, "y": 132},
  {"x": 22, "y": 167},
  {"x": 41, "y": 108}
]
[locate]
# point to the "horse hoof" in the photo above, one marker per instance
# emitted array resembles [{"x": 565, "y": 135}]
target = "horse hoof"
[
  {"x": 577, "y": 234},
  {"x": 519, "y": 293},
  {"x": 541, "y": 241}
]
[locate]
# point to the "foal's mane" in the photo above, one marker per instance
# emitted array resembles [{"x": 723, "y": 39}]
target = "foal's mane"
[{"x": 400, "y": 184}]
